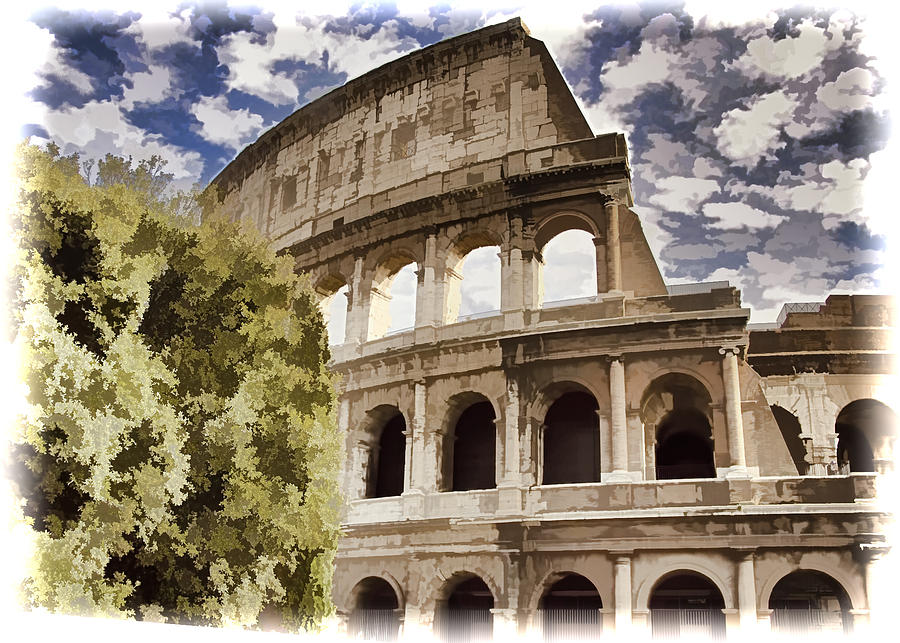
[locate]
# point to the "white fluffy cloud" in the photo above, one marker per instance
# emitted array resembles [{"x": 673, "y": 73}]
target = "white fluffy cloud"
[
  {"x": 158, "y": 27},
  {"x": 148, "y": 86},
  {"x": 225, "y": 126},
  {"x": 748, "y": 135},
  {"x": 682, "y": 193},
  {"x": 100, "y": 127},
  {"x": 731, "y": 216},
  {"x": 786, "y": 58},
  {"x": 850, "y": 90}
]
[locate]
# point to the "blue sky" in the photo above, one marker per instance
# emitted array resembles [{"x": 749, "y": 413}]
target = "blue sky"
[{"x": 755, "y": 139}]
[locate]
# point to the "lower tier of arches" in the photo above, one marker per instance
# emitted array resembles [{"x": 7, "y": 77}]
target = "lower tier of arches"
[{"x": 705, "y": 594}]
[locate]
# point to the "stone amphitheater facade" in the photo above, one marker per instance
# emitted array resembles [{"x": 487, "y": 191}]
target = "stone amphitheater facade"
[{"x": 639, "y": 454}]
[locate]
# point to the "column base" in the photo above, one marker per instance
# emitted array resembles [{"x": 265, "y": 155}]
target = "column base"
[
  {"x": 424, "y": 334},
  {"x": 737, "y": 472},
  {"x": 413, "y": 504},
  {"x": 513, "y": 319},
  {"x": 618, "y": 476},
  {"x": 509, "y": 499}
]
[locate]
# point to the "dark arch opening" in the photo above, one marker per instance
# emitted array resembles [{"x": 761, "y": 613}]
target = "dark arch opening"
[
  {"x": 807, "y": 601},
  {"x": 866, "y": 429},
  {"x": 570, "y": 610},
  {"x": 376, "y": 615},
  {"x": 571, "y": 440},
  {"x": 684, "y": 446},
  {"x": 391, "y": 458},
  {"x": 466, "y": 616},
  {"x": 687, "y": 605},
  {"x": 790, "y": 431},
  {"x": 474, "y": 448}
]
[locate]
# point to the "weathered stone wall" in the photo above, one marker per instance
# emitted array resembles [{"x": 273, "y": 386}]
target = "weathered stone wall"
[{"x": 452, "y": 105}]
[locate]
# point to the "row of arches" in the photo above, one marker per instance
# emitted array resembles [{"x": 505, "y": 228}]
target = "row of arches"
[
  {"x": 865, "y": 432},
  {"x": 677, "y": 412},
  {"x": 682, "y": 603},
  {"x": 472, "y": 278}
]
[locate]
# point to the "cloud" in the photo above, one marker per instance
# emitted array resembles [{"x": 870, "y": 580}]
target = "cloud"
[
  {"x": 480, "y": 287},
  {"x": 147, "y": 86},
  {"x": 851, "y": 90},
  {"x": 100, "y": 127},
  {"x": 735, "y": 215},
  {"x": 748, "y": 135},
  {"x": 158, "y": 27},
  {"x": 682, "y": 193},
  {"x": 225, "y": 126},
  {"x": 790, "y": 57},
  {"x": 570, "y": 266}
]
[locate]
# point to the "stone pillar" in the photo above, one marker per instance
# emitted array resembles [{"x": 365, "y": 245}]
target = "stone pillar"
[
  {"x": 618, "y": 420},
  {"x": 357, "y": 312},
  {"x": 425, "y": 308},
  {"x": 600, "y": 262},
  {"x": 361, "y": 469},
  {"x": 533, "y": 279},
  {"x": 746, "y": 591},
  {"x": 414, "y": 476},
  {"x": 613, "y": 248},
  {"x": 871, "y": 555},
  {"x": 512, "y": 278},
  {"x": 414, "y": 629},
  {"x": 733, "y": 419},
  {"x": 622, "y": 591},
  {"x": 505, "y": 623},
  {"x": 510, "y": 492}
]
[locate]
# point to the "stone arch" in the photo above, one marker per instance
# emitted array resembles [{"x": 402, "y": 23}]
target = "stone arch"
[
  {"x": 372, "y": 461},
  {"x": 854, "y": 593},
  {"x": 375, "y": 608},
  {"x": 453, "y": 571},
  {"x": 786, "y": 602},
  {"x": 647, "y": 585},
  {"x": 676, "y": 411},
  {"x": 478, "y": 434},
  {"x": 866, "y": 430},
  {"x": 349, "y": 599},
  {"x": 554, "y": 575},
  {"x": 382, "y": 278},
  {"x": 456, "y": 256},
  {"x": 789, "y": 425},
  {"x": 330, "y": 288},
  {"x": 548, "y": 393},
  {"x": 559, "y": 222},
  {"x": 464, "y": 608}
]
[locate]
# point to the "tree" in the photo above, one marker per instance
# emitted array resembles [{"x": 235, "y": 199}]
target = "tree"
[{"x": 180, "y": 457}]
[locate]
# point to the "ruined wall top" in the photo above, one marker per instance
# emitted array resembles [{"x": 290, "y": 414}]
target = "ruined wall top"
[{"x": 459, "y": 102}]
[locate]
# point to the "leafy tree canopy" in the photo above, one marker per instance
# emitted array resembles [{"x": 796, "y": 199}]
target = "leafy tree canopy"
[{"x": 180, "y": 457}]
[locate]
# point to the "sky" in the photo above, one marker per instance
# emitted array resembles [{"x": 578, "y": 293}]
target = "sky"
[{"x": 759, "y": 142}]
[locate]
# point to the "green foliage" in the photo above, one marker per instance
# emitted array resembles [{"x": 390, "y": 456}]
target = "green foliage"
[{"x": 180, "y": 457}]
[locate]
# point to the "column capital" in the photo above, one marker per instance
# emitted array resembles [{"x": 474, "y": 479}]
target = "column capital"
[
  {"x": 613, "y": 357},
  {"x": 623, "y": 555},
  {"x": 430, "y": 230},
  {"x": 730, "y": 349}
]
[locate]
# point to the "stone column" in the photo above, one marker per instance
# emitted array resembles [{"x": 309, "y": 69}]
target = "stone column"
[
  {"x": 746, "y": 591},
  {"x": 512, "y": 291},
  {"x": 733, "y": 419},
  {"x": 618, "y": 420},
  {"x": 505, "y": 623},
  {"x": 414, "y": 630},
  {"x": 613, "y": 248},
  {"x": 425, "y": 308},
  {"x": 622, "y": 591},
  {"x": 357, "y": 312},
  {"x": 871, "y": 554},
  {"x": 533, "y": 287},
  {"x": 600, "y": 262},
  {"x": 414, "y": 476},
  {"x": 510, "y": 493}
]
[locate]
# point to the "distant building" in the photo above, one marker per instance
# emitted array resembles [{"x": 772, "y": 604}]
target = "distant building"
[{"x": 637, "y": 459}]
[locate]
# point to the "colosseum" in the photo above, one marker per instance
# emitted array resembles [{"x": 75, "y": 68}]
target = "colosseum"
[{"x": 638, "y": 461}]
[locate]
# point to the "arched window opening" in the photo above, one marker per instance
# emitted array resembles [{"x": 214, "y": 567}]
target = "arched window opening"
[
  {"x": 466, "y": 614},
  {"x": 474, "y": 448},
  {"x": 676, "y": 412},
  {"x": 379, "y": 456},
  {"x": 391, "y": 457},
  {"x": 790, "y": 431},
  {"x": 392, "y": 303},
  {"x": 866, "y": 431},
  {"x": 571, "y": 446},
  {"x": 570, "y": 610},
  {"x": 687, "y": 606},
  {"x": 570, "y": 268},
  {"x": 480, "y": 284},
  {"x": 809, "y": 602},
  {"x": 376, "y": 614},
  {"x": 334, "y": 304}
]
